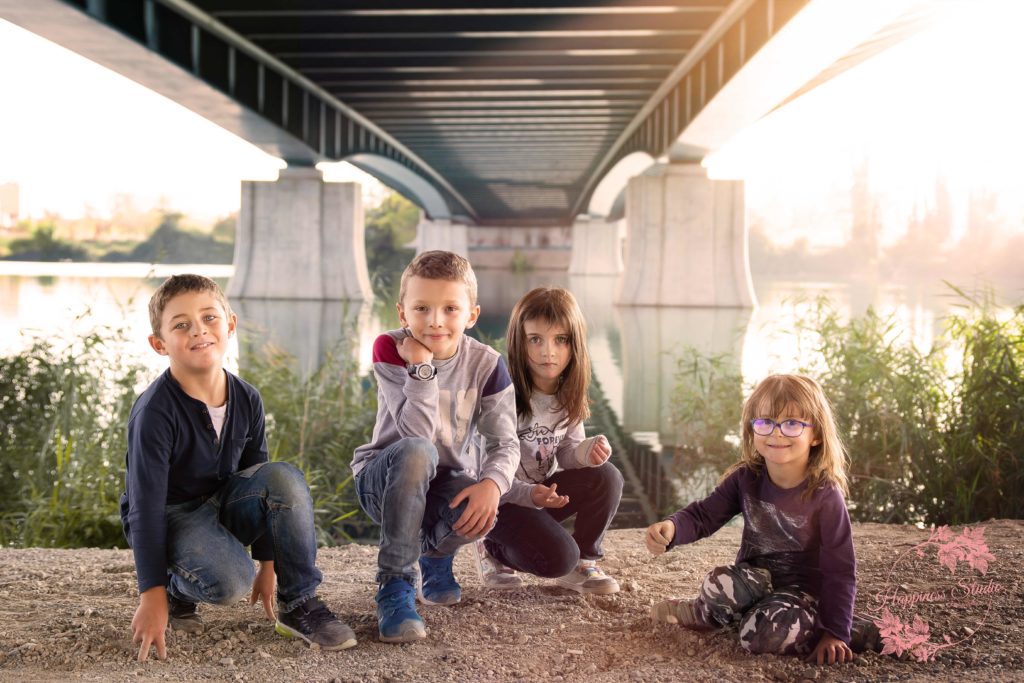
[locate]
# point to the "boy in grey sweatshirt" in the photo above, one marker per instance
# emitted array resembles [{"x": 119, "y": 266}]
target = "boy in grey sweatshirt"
[{"x": 438, "y": 391}]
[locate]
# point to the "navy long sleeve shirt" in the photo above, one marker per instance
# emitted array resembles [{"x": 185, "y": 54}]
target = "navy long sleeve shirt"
[
  {"x": 807, "y": 543},
  {"x": 174, "y": 456}
]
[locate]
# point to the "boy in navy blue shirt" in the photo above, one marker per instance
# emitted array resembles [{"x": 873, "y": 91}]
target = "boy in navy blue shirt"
[{"x": 199, "y": 488}]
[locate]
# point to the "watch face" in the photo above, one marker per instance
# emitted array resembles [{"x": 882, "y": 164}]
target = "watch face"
[{"x": 425, "y": 371}]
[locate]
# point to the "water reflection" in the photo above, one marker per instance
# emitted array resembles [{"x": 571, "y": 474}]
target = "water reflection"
[
  {"x": 653, "y": 338},
  {"x": 307, "y": 330}
]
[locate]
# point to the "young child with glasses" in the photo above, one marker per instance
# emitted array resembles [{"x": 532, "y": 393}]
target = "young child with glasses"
[{"x": 792, "y": 587}]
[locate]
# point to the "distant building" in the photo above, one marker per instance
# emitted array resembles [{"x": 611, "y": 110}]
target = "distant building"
[{"x": 9, "y": 211}]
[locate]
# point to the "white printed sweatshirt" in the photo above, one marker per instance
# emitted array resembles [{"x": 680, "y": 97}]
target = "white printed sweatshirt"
[
  {"x": 471, "y": 397},
  {"x": 547, "y": 444}
]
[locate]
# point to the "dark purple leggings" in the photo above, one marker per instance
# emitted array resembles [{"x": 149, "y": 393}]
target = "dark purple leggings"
[{"x": 534, "y": 541}]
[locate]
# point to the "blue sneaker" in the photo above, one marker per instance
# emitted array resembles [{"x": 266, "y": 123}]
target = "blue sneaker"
[
  {"x": 437, "y": 584},
  {"x": 397, "y": 620}
]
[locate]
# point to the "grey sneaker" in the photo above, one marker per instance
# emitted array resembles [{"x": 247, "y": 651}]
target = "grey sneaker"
[
  {"x": 588, "y": 579},
  {"x": 314, "y": 623},
  {"x": 183, "y": 615},
  {"x": 682, "y": 611},
  {"x": 494, "y": 574}
]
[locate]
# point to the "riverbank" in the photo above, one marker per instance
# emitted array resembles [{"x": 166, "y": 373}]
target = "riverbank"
[{"x": 65, "y": 614}]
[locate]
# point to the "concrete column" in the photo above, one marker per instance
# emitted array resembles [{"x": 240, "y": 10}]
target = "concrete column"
[
  {"x": 655, "y": 339},
  {"x": 686, "y": 242},
  {"x": 300, "y": 238},
  {"x": 596, "y": 247},
  {"x": 442, "y": 234}
]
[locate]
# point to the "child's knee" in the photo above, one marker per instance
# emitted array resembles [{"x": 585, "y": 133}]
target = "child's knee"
[
  {"x": 231, "y": 586},
  {"x": 735, "y": 587},
  {"x": 779, "y": 626},
  {"x": 417, "y": 458},
  {"x": 285, "y": 482},
  {"x": 612, "y": 478}
]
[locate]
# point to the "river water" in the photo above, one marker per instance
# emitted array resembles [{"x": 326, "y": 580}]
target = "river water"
[{"x": 634, "y": 349}]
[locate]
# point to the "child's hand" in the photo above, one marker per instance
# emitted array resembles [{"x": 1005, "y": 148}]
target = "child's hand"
[
  {"x": 659, "y": 535},
  {"x": 413, "y": 352},
  {"x": 150, "y": 623},
  {"x": 545, "y": 497},
  {"x": 830, "y": 650},
  {"x": 478, "y": 517},
  {"x": 263, "y": 588},
  {"x": 600, "y": 451}
]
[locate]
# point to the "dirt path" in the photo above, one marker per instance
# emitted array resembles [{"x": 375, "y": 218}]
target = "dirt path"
[{"x": 64, "y": 615}]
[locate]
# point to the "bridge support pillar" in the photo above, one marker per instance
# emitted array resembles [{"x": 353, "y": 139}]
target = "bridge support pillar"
[
  {"x": 686, "y": 241},
  {"x": 596, "y": 247},
  {"x": 442, "y": 234},
  {"x": 300, "y": 238}
]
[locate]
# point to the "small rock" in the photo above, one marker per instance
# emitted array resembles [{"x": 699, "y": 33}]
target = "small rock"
[
  {"x": 574, "y": 652},
  {"x": 523, "y": 639},
  {"x": 691, "y": 652},
  {"x": 631, "y": 586},
  {"x": 592, "y": 669},
  {"x": 227, "y": 661},
  {"x": 263, "y": 654}
]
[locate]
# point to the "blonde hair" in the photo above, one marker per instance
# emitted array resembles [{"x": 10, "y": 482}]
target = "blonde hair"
[
  {"x": 181, "y": 284},
  {"x": 828, "y": 460},
  {"x": 556, "y": 306},
  {"x": 440, "y": 265}
]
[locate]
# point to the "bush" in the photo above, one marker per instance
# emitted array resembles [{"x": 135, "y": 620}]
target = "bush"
[
  {"x": 63, "y": 413},
  {"x": 43, "y": 246},
  {"x": 931, "y": 440},
  {"x": 63, "y": 409}
]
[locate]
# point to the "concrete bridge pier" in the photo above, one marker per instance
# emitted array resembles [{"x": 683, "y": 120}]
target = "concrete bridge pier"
[
  {"x": 441, "y": 233},
  {"x": 596, "y": 247},
  {"x": 300, "y": 238},
  {"x": 686, "y": 240}
]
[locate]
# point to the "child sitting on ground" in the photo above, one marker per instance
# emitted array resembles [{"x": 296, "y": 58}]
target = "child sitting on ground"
[
  {"x": 561, "y": 472},
  {"x": 792, "y": 588},
  {"x": 199, "y": 488},
  {"x": 437, "y": 390}
]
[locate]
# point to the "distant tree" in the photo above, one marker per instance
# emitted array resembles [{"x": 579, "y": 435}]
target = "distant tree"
[
  {"x": 389, "y": 227},
  {"x": 170, "y": 243},
  {"x": 224, "y": 228},
  {"x": 43, "y": 246}
]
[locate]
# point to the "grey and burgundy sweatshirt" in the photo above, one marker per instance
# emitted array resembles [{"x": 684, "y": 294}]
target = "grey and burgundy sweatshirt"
[
  {"x": 472, "y": 395},
  {"x": 808, "y": 543}
]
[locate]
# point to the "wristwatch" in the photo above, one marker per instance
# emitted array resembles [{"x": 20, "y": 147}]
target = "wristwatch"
[{"x": 422, "y": 371}]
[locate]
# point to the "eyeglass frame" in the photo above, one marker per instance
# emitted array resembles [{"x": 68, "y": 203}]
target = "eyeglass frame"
[{"x": 774, "y": 424}]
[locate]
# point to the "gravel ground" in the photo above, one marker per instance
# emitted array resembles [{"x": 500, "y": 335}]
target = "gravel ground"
[{"x": 65, "y": 614}]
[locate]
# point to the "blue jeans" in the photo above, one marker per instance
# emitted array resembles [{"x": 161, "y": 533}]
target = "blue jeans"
[
  {"x": 207, "y": 539},
  {"x": 405, "y": 491}
]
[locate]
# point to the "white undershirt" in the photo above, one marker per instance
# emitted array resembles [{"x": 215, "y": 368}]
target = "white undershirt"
[{"x": 217, "y": 416}]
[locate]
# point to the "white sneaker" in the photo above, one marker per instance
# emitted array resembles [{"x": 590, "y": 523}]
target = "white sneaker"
[
  {"x": 588, "y": 579},
  {"x": 494, "y": 574}
]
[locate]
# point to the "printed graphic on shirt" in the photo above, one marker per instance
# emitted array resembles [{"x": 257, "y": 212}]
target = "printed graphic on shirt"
[
  {"x": 464, "y": 406},
  {"x": 542, "y": 441},
  {"x": 768, "y": 530}
]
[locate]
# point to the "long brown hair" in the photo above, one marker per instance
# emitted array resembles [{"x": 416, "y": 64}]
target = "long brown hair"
[
  {"x": 828, "y": 460},
  {"x": 556, "y": 306}
]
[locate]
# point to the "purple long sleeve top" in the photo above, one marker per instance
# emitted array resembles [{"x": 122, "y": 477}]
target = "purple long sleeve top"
[{"x": 803, "y": 542}]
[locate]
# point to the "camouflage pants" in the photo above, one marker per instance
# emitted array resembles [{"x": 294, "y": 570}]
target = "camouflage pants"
[{"x": 771, "y": 620}]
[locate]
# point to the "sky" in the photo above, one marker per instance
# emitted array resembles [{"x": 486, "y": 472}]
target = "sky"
[{"x": 943, "y": 104}]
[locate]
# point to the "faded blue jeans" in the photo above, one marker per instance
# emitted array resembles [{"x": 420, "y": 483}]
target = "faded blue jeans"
[
  {"x": 405, "y": 491},
  {"x": 207, "y": 539}
]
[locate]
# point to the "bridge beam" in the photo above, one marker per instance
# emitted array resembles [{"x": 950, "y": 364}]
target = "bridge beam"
[
  {"x": 686, "y": 241},
  {"x": 300, "y": 238}
]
